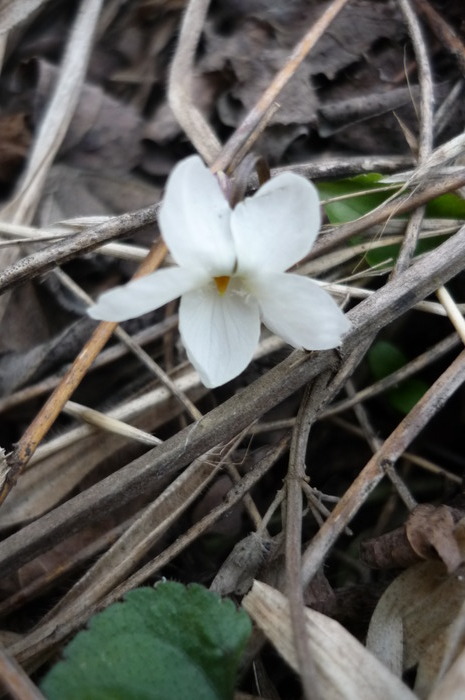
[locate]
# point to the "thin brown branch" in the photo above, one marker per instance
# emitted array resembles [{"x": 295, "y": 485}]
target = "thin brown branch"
[
  {"x": 227, "y": 159},
  {"x": 71, "y": 380},
  {"x": 293, "y": 528},
  {"x": 47, "y": 636},
  {"x": 443, "y": 31},
  {"x": 140, "y": 476},
  {"x": 425, "y": 145},
  {"x": 181, "y": 81},
  {"x": 396, "y": 207},
  {"x": 15, "y": 681},
  {"x": 374, "y": 471},
  {"x": 431, "y": 355}
]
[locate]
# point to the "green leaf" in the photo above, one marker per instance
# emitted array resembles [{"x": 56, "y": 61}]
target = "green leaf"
[
  {"x": 404, "y": 397},
  {"x": 384, "y": 358},
  {"x": 158, "y": 644},
  {"x": 447, "y": 206},
  {"x": 350, "y": 208}
]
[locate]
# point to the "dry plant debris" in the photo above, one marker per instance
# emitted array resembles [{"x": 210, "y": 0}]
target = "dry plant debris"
[{"x": 321, "y": 490}]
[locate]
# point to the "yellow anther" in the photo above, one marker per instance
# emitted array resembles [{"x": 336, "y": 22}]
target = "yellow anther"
[{"x": 222, "y": 283}]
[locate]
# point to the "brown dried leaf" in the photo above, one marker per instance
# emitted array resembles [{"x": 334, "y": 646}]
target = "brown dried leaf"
[
  {"x": 451, "y": 686},
  {"x": 413, "y": 619},
  {"x": 430, "y": 532},
  {"x": 104, "y": 133},
  {"x": 345, "y": 669}
]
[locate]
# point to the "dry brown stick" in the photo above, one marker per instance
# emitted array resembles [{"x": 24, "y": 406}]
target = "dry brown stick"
[
  {"x": 38, "y": 263},
  {"x": 71, "y": 380},
  {"x": 443, "y": 31},
  {"x": 293, "y": 538},
  {"x": 58, "y": 114},
  {"x": 43, "y": 638},
  {"x": 44, "y": 260},
  {"x": 345, "y": 167},
  {"x": 227, "y": 158},
  {"x": 147, "y": 335},
  {"x": 375, "y": 442},
  {"x": 135, "y": 348},
  {"x": 149, "y": 525},
  {"x": 414, "y": 459},
  {"x": 63, "y": 569},
  {"x": 181, "y": 79},
  {"x": 431, "y": 355},
  {"x": 141, "y": 475},
  {"x": 396, "y": 207},
  {"x": 374, "y": 471},
  {"x": 14, "y": 680},
  {"x": 425, "y": 145}
]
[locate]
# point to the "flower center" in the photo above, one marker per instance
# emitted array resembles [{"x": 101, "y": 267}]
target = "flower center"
[{"x": 222, "y": 283}]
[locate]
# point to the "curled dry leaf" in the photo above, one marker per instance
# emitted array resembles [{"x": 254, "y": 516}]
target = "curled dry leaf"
[
  {"x": 419, "y": 609},
  {"x": 430, "y": 532},
  {"x": 344, "y": 668}
]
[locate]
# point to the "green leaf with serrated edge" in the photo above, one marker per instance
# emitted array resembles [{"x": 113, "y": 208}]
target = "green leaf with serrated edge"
[
  {"x": 384, "y": 358},
  {"x": 158, "y": 644}
]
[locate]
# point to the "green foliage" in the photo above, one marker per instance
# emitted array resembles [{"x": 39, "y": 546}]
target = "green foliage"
[
  {"x": 385, "y": 358},
  {"x": 158, "y": 644},
  {"x": 364, "y": 198},
  {"x": 350, "y": 208}
]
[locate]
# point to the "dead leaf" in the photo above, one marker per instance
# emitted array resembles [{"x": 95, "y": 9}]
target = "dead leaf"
[
  {"x": 430, "y": 532},
  {"x": 104, "y": 133},
  {"x": 416, "y": 613},
  {"x": 344, "y": 668}
]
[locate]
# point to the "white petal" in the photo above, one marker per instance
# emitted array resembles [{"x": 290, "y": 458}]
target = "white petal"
[
  {"x": 145, "y": 294},
  {"x": 194, "y": 219},
  {"x": 220, "y": 333},
  {"x": 299, "y": 311},
  {"x": 276, "y": 227}
]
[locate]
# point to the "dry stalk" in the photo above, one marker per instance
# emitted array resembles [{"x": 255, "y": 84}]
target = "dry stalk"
[
  {"x": 181, "y": 80},
  {"x": 232, "y": 150},
  {"x": 14, "y": 679},
  {"x": 124, "y": 556},
  {"x": 443, "y": 31},
  {"x": 384, "y": 306},
  {"x": 58, "y": 116},
  {"x": 48, "y": 636},
  {"x": 431, "y": 355},
  {"x": 71, "y": 380},
  {"x": 293, "y": 527},
  {"x": 375, "y": 470},
  {"x": 425, "y": 145}
]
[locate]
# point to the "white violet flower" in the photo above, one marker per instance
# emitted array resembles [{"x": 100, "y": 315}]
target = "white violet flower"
[{"x": 230, "y": 272}]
